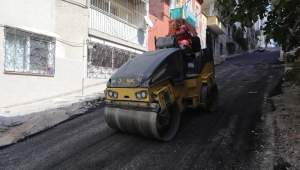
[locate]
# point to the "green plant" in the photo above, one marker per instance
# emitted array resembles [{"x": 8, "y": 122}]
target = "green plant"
[
  {"x": 293, "y": 75},
  {"x": 238, "y": 36},
  {"x": 283, "y": 18},
  {"x": 289, "y": 58}
]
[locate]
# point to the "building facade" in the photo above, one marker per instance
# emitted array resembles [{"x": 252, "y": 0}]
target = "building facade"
[
  {"x": 51, "y": 49},
  {"x": 218, "y": 28},
  {"x": 259, "y": 33},
  {"x": 162, "y": 13}
]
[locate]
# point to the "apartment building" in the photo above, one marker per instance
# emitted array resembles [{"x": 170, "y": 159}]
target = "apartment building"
[
  {"x": 58, "y": 48},
  {"x": 259, "y": 33},
  {"x": 162, "y": 13},
  {"x": 218, "y": 29}
]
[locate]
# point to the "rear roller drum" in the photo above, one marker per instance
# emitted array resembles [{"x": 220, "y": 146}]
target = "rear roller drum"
[
  {"x": 209, "y": 98},
  {"x": 162, "y": 126}
]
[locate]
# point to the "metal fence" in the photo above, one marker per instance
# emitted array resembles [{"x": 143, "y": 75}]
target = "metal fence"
[
  {"x": 123, "y": 19},
  {"x": 28, "y": 52},
  {"x": 130, "y": 11},
  {"x": 104, "y": 60}
]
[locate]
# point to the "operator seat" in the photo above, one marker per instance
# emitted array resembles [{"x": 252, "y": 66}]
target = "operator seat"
[{"x": 166, "y": 42}]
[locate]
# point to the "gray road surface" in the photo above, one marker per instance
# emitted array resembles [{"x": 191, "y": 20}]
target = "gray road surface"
[{"x": 219, "y": 140}]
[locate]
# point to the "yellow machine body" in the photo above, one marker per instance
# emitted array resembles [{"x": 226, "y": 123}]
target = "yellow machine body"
[{"x": 148, "y": 93}]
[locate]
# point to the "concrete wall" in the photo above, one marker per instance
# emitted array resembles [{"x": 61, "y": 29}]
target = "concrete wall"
[
  {"x": 206, "y": 11},
  {"x": 203, "y": 31},
  {"x": 69, "y": 23},
  {"x": 199, "y": 20},
  {"x": 160, "y": 28},
  {"x": 211, "y": 13},
  {"x": 212, "y": 8},
  {"x": 222, "y": 39},
  {"x": 217, "y": 40}
]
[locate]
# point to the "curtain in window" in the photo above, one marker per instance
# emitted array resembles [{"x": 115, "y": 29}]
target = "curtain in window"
[{"x": 15, "y": 52}]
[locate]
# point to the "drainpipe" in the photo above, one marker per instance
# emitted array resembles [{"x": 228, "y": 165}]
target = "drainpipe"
[
  {"x": 113, "y": 59},
  {"x": 84, "y": 61}
]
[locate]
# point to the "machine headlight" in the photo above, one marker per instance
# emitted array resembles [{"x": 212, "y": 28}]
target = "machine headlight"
[
  {"x": 141, "y": 95},
  {"x": 112, "y": 94}
]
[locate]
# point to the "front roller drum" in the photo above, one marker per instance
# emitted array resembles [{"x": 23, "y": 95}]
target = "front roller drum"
[{"x": 144, "y": 123}]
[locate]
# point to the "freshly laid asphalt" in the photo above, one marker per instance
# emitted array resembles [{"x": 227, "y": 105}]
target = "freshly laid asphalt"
[
  {"x": 19, "y": 122},
  {"x": 16, "y": 123}
]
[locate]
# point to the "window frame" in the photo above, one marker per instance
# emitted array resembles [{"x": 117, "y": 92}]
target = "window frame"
[
  {"x": 197, "y": 14},
  {"x": 175, "y": 4},
  {"x": 26, "y": 65},
  {"x": 190, "y": 5}
]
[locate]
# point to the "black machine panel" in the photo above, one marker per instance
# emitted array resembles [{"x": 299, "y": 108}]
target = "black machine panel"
[{"x": 150, "y": 68}]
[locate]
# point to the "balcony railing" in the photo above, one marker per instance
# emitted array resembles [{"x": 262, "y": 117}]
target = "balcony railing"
[
  {"x": 112, "y": 25},
  {"x": 185, "y": 14},
  {"x": 215, "y": 24}
]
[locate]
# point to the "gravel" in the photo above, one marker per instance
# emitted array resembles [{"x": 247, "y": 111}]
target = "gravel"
[{"x": 278, "y": 132}]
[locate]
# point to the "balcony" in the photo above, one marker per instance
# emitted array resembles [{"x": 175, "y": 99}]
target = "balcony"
[
  {"x": 112, "y": 20},
  {"x": 214, "y": 23},
  {"x": 184, "y": 14}
]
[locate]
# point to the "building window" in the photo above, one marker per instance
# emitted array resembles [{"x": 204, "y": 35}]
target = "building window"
[
  {"x": 175, "y": 3},
  {"x": 189, "y": 5},
  {"x": 104, "y": 60},
  {"x": 197, "y": 13},
  {"x": 27, "y": 52}
]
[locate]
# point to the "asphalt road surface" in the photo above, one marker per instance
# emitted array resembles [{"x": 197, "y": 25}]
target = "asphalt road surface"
[{"x": 222, "y": 139}]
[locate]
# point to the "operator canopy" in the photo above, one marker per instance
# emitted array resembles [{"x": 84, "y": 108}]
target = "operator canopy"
[{"x": 149, "y": 68}]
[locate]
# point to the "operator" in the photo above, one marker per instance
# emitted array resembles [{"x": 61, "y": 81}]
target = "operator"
[{"x": 182, "y": 33}]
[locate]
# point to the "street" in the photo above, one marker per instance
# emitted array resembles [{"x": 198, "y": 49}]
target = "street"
[{"x": 222, "y": 139}]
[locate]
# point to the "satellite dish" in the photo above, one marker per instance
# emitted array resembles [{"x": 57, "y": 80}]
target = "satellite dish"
[{"x": 148, "y": 21}]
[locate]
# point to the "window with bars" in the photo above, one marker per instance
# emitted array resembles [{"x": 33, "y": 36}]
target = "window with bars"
[
  {"x": 27, "y": 52},
  {"x": 130, "y": 11},
  {"x": 104, "y": 60}
]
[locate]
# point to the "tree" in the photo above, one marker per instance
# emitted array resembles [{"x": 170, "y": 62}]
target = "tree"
[
  {"x": 238, "y": 36},
  {"x": 283, "y": 18}
]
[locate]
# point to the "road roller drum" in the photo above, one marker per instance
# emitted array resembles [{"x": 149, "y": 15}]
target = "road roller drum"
[{"x": 144, "y": 123}]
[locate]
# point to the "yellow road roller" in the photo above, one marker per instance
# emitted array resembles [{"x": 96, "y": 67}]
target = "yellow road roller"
[{"x": 148, "y": 93}]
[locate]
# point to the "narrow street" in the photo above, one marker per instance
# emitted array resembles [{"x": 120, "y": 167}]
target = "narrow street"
[{"x": 222, "y": 139}]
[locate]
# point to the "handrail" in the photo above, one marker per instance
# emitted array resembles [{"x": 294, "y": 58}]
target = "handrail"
[{"x": 77, "y": 3}]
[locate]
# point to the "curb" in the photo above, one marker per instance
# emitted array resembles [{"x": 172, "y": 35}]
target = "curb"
[{"x": 47, "y": 114}]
